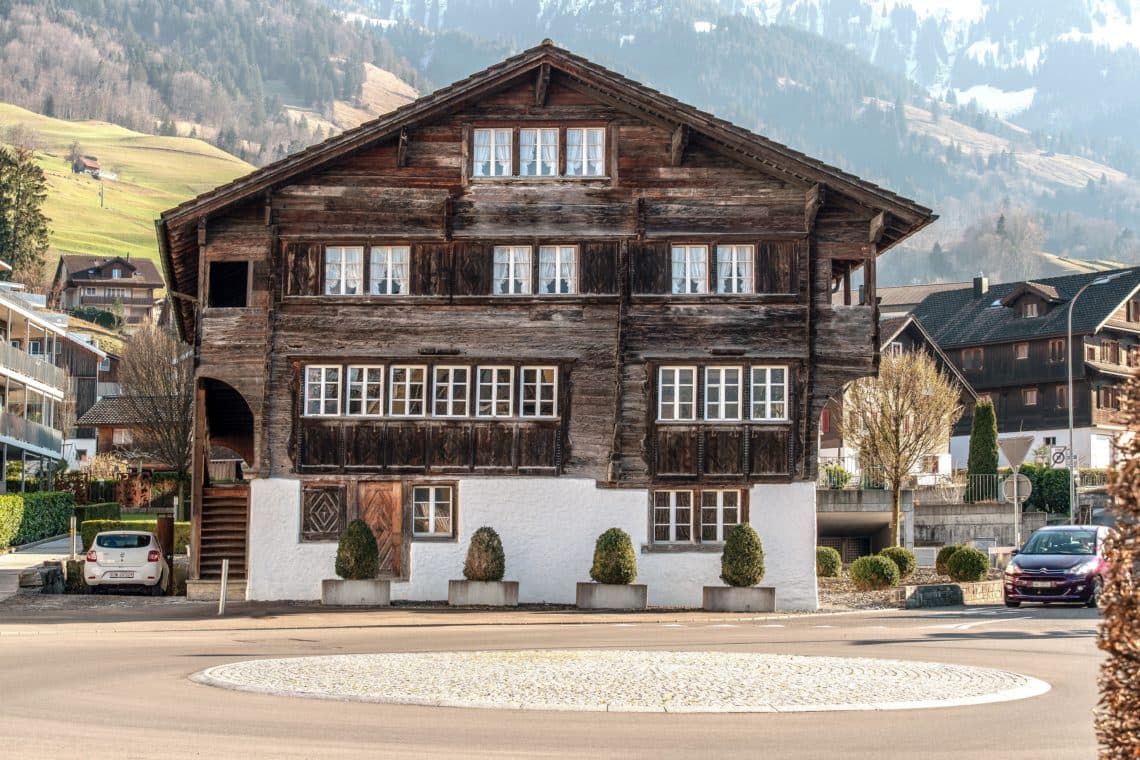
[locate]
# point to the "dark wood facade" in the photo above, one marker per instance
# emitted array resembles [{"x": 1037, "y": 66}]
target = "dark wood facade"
[{"x": 406, "y": 180}]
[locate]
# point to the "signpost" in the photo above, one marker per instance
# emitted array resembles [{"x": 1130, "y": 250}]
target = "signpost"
[
  {"x": 1015, "y": 448},
  {"x": 1059, "y": 457}
]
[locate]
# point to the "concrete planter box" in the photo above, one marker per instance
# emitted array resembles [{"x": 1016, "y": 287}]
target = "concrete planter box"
[
  {"x": 737, "y": 599},
  {"x": 483, "y": 593},
  {"x": 340, "y": 593},
  {"x": 612, "y": 596}
]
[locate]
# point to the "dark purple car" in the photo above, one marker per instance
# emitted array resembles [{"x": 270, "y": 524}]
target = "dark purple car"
[{"x": 1064, "y": 563}]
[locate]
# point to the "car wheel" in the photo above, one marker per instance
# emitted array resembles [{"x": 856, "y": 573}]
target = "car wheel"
[
  {"x": 1012, "y": 603},
  {"x": 156, "y": 589},
  {"x": 1097, "y": 589}
]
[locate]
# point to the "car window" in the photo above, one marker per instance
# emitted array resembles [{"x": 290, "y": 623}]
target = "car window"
[
  {"x": 122, "y": 541},
  {"x": 1062, "y": 542}
]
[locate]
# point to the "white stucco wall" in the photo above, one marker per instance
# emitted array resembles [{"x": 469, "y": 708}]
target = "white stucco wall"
[
  {"x": 548, "y": 527},
  {"x": 1093, "y": 447}
]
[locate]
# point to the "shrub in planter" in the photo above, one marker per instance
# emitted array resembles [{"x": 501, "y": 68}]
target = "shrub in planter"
[
  {"x": 874, "y": 572},
  {"x": 485, "y": 558},
  {"x": 614, "y": 560},
  {"x": 967, "y": 565},
  {"x": 742, "y": 563},
  {"x": 357, "y": 557},
  {"x": 828, "y": 562},
  {"x": 944, "y": 555},
  {"x": 904, "y": 558},
  {"x": 838, "y": 477}
]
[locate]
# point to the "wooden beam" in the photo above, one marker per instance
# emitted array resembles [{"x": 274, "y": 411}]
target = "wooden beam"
[
  {"x": 812, "y": 203},
  {"x": 878, "y": 227},
  {"x": 679, "y": 143},
  {"x": 402, "y": 149},
  {"x": 541, "y": 84},
  {"x": 844, "y": 251}
]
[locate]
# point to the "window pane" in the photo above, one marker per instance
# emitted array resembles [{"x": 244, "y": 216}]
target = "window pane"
[
  {"x": 512, "y": 270},
  {"x": 558, "y": 269},
  {"x": 734, "y": 268},
  {"x": 689, "y": 274},
  {"x": 528, "y": 152}
]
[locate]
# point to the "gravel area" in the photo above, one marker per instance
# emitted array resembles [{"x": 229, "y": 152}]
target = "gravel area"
[{"x": 626, "y": 681}]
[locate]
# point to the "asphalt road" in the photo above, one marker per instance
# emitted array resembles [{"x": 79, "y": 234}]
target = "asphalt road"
[{"x": 115, "y": 685}]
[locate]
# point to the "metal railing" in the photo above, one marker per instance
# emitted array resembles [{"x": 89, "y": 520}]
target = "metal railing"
[
  {"x": 31, "y": 367},
  {"x": 928, "y": 487},
  {"x": 112, "y": 300},
  {"x": 961, "y": 489},
  {"x": 34, "y": 433},
  {"x": 845, "y": 473}
]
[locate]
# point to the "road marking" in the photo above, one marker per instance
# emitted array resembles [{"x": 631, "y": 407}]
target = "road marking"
[
  {"x": 770, "y": 625},
  {"x": 722, "y": 625},
  {"x": 674, "y": 625},
  {"x": 625, "y": 625},
  {"x": 823, "y": 626},
  {"x": 976, "y": 623}
]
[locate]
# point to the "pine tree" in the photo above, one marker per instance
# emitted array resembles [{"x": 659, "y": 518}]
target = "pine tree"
[
  {"x": 24, "y": 233},
  {"x": 983, "y": 458}
]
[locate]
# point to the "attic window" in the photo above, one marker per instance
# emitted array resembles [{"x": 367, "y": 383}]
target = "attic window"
[
  {"x": 116, "y": 273},
  {"x": 1029, "y": 310},
  {"x": 229, "y": 284}
]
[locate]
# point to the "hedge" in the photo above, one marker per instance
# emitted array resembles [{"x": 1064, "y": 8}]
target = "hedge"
[
  {"x": 108, "y": 510},
  {"x": 89, "y": 528},
  {"x": 29, "y": 517}
]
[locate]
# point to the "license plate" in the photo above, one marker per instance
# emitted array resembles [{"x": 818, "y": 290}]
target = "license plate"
[
  {"x": 121, "y": 575},
  {"x": 1042, "y": 584}
]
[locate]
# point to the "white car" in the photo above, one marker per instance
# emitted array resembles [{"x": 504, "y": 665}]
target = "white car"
[{"x": 127, "y": 558}]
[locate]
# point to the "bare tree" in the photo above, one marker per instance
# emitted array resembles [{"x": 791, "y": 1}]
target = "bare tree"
[
  {"x": 158, "y": 384},
  {"x": 897, "y": 418}
]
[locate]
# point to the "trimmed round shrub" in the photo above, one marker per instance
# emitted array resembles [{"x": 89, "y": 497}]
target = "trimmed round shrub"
[
  {"x": 874, "y": 572},
  {"x": 968, "y": 565},
  {"x": 485, "y": 558},
  {"x": 614, "y": 560},
  {"x": 742, "y": 563},
  {"x": 904, "y": 558},
  {"x": 357, "y": 556},
  {"x": 828, "y": 563},
  {"x": 944, "y": 555}
]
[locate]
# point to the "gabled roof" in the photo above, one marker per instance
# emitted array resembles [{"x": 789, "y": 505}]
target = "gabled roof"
[
  {"x": 84, "y": 268},
  {"x": 1047, "y": 292},
  {"x": 958, "y": 319},
  {"x": 176, "y": 227},
  {"x": 906, "y": 295},
  {"x": 892, "y": 327},
  {"x": 109, "y": 410}
]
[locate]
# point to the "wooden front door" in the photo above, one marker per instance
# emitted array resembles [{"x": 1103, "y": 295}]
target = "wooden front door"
[{"x": 381, "y": 506}]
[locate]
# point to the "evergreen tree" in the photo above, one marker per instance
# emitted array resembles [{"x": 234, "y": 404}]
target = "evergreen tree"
[
  {"x": 983, "y": 458},
  {"x": 24, "y": 234}
]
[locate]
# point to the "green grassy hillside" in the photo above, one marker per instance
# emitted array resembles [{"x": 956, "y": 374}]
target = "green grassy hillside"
[{"x": 152, "y": 175}]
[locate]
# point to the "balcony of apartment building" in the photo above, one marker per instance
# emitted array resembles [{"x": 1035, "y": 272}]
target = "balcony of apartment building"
[{"x": 32, "y": 387}]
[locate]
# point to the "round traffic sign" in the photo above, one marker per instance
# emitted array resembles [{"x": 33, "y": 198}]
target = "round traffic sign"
[{"x": 1024, "y": 487}]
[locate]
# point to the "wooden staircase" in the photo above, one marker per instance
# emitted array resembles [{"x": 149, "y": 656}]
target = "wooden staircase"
[{"x": 225, "y": 520}]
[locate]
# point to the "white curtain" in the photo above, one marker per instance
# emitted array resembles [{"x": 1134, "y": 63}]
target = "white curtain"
[
  {"x": 549, "y": 166},
  {"x": 521, "y": 273},
  {"x": 697, "y": 276},
  {"x": 482, "y": 163},
  {"x": 398, "y": 269},
  {"x": 680, "y": 274},
  {"x": 574, "y": 152},
  {"x": 548, "y": 269},
  {"x": 528, "y": 152},
  {"x": 502, "y": 273},
  {"x": 725, "y": 271},
  {"x": 353, "y": 270},
  {"x": 595, "y": 153},
  {"x": 502, "y": 152}
]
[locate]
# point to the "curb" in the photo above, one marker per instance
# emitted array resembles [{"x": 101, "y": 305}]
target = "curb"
[{"x": 33, "y": 544}]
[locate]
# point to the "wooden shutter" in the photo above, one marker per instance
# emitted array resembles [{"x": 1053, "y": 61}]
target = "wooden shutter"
[
  {"x": 651, "y": 268},
  {"x": 598, "y": 270},
  {"x": 776, "y": 264},
  {"x": 430, "y": 269},
  {"x": 304, "y": 269},
  {"x": 473, "y": 269}
]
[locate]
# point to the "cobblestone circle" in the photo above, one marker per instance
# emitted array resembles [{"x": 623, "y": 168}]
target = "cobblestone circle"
[{"x": 626, "y": 681}]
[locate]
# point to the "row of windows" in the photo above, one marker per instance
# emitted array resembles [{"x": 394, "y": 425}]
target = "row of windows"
[
  {"x": 383, "y": 269},
  {"x": 422, "y": 391},
  {"x": 723, "y": 393},
  {"x": 1109, "y": 352},
  {"x": 539, "y": 154}
]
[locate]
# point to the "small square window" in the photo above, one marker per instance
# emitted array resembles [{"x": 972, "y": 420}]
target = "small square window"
[
  {"x": 322, "y": 391},
  {"x": 538, "y": 152},
  {"x": 676, "y": 394},
  {"x": 492, "y": 154},
  {"x": 734, "y": 268},
  {"x": 558, "y": 269},
  {"x": 433, "y": 511},
  {"x": 1021, "y": 350},
  {"x": 495, "y": 391},
  {"x": 690, "y": 273},
  {"x": 406, "y": 391},
  {"x": 512, "y": 270},
  {"x": 586, "y": 152},
  {"x": 1029, "y": 396},
  {"x": 229, "y": 284},
  {"x": 122, "y": 437}
]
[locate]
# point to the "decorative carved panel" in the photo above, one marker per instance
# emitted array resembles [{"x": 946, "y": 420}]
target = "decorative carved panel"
[{"x": 322, "y": 513}]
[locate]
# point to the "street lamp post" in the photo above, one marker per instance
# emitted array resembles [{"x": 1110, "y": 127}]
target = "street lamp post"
[{"x": 1069, "y": 401}]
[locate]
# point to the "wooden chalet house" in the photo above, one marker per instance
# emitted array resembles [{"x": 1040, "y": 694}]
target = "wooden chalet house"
[
  {"x": 546, "y": 299},
  {"x": 1010, "y": 339},
  {"x": 107, "y": 284}
]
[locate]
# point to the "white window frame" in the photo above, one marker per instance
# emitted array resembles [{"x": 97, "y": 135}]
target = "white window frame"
[
  {"x": 341, "y": 253},
  {"x": 116, "y": 274},
  {"x": 496, "y": 387},
  {"x": 542, "y": 138},
  {"x": 1030, "y": 396},
  {"x": 720, "y": 527},
  {"x": 365, "y": 386},
  {"x": 449, "y": 401},
  {"x": 89, "y": 291},
  {"x": 407, "y": 384},
  {"x": 1021, "y": 351},
  {"x": 496, "y": 136},
  {"x": 764, "y": 405},
  {"x": 538, "y": 384},
  {"x": 324, "y": 383},
  {"x": 1030, "y": 310},
  {"x": 122, "y": 437},
  {"x": 582, "y": 166},
  {"x": 894, "y": 348},
  {"x": 388, "y": 257},
  {"x": 689, "y": 272},
  {"x": 676, "y": 404},
  {"x": 672, "y": 523},
  {"x": 741, "y": 260},
  {"x": 432, "y": 503},
  {"x": 561, "y": 257},
  {"x": 517, "y": 260},
  {"x": 717, "y": 410}
]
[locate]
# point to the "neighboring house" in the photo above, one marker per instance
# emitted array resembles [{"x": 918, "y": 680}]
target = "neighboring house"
[
  {"x": 115, "y": 423},
  {"x": 1009, "y": 340},
  {"x": 901, "y": 300},
  {"x": 87, "y": 367},
  {"x": 546, "y": 299},
  {"x": 86, "y": 165},
  {"x": 107, "y": 284}
]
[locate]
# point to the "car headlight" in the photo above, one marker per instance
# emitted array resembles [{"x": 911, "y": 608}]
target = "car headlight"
[
  {"x": 1012, "y": 570},
  {"x": 1083, "y": 568}
]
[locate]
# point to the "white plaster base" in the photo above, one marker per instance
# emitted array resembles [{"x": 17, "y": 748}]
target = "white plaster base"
[{"x": 548, "y": 527}]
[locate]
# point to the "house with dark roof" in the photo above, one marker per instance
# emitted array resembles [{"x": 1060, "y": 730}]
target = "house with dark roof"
[
  {"x": 545, "y": 298},
  {"x": 900, "y": 300},
  {"x": 1011, "y": 342},
  {"x": 108, "y": 284}
]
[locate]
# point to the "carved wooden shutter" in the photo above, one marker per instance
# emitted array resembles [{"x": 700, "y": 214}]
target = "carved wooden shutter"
[
  {"x": 776, "y": 264},
  {"x": 651, "y": 268},
  {"x": 381, "y": 506},
  {"x": 472, "y": 269},
  {"x": 431, "y": 269},
  {"x": 303, "y": 262},
  {"x": 599, "y": 267}
]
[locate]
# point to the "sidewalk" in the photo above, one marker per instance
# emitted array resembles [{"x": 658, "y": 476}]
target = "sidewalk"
[{"x": 12, "y": 564}]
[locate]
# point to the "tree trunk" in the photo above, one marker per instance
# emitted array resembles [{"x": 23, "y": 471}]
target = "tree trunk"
[
  {"x": 180, "y": 513},
  {"x": 896, "y": 516}
]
